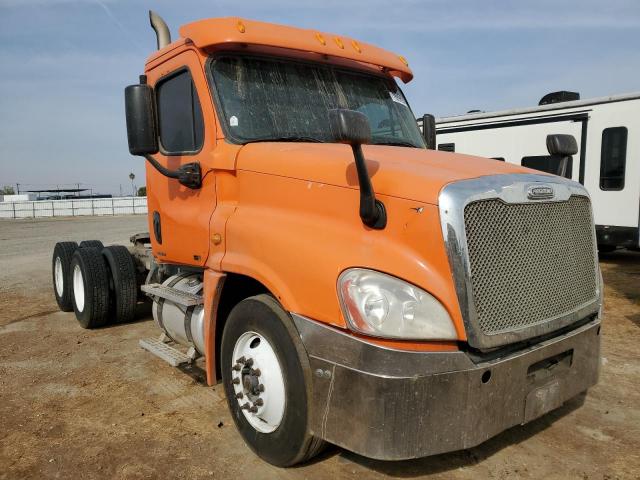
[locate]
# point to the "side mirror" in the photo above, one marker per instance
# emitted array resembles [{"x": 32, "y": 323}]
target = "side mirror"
[
  {"x": 563, "y": 145},
  {"x": 429, "y": 130},
  {"x": 142, "y": 132},
  {"x": 352, "y": 128},
  {"x": 349, "y": 126}
]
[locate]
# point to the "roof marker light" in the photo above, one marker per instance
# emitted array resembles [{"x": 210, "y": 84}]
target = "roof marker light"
[
  {"x": 320, "y": 38},
  {"x": 240, "y": 26},
  {"x": 355, "y": 46},
  {"x": 403, "y": 60},
  {"x": 338, "y": 42}
]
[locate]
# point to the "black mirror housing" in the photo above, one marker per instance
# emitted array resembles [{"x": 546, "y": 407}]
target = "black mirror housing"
[
  {"x": 352, "y": 128},
  {"x": 562, "y": 145},
  {"x": 142, "y": 132},
  {"x": 429, "y": 130},
  {"x": 349, "y": 126}
]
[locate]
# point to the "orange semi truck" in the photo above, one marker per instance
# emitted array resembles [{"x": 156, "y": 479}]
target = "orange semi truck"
[{"x": 344, "y": 281}]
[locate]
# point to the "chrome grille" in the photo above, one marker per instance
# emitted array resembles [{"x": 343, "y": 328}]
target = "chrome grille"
[{"x": 530, "y": 262}]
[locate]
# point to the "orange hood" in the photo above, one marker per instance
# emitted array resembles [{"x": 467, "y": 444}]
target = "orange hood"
[{"x": 409, "y": 173}]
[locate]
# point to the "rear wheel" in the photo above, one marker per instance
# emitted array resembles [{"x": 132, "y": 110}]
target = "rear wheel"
[
  {"x": 90, "y": 282},
  {"x": 124, "y": 285},
  {"x": 265, "y": 371},
  {"x": 91, "y": 244},
  {"x": 61, "y": 270}
]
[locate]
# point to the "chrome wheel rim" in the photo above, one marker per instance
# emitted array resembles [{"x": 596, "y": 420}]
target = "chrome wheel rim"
[
  {"x": 58, "y": 277},
  {"x": 78, "y": 288},
  {"x": 258, "y": 382}
]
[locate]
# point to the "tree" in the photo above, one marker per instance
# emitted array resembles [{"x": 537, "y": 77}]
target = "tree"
[
  {"x": 7, "y": 190},
  {"x": 142, "y": 191}
]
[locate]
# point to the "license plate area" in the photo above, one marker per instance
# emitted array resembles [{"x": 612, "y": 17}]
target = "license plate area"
[{"x": 546, "y": 378}]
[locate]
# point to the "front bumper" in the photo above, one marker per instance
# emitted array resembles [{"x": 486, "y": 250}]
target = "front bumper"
[{"x": 393, "y": 405}]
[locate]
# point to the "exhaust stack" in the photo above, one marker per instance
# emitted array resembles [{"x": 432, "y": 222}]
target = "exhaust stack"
[{"x": 163, "y": 35}]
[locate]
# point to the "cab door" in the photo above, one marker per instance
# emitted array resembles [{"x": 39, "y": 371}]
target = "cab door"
[{"x": 179, "y": 216}]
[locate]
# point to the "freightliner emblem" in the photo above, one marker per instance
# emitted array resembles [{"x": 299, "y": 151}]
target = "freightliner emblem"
[{"x": 540, "y": 192}]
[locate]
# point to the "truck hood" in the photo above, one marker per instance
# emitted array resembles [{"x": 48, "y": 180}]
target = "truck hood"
[{"x": 409, "y": 173}]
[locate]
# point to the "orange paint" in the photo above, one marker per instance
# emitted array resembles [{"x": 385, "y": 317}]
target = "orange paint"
[{"x": 286, "y": 214}]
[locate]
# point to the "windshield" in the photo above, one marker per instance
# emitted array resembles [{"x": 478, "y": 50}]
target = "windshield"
[{"x": 269, "y": 99}]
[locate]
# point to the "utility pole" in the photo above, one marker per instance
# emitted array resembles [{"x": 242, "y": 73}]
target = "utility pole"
[
  {"x": 17, "y": 189},
  {"x": 133, "y": 187}
]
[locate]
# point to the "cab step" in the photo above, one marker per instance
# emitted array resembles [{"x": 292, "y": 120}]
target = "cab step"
[
  {"x": 186, "y": 299},
  {"x": 171, "y": 355}
]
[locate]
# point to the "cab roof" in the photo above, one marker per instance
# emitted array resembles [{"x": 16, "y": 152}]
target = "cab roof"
[{"x": 212, "y": 32}]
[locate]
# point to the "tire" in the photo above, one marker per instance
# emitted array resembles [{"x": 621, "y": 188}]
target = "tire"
[
  {"x": 61, "y": 273},
  {"x": 90, "y": 281},
  {"x": 124, "y": 284},
  {"x": 91, "y": 244},
  {"x": 285, "y": 442}
]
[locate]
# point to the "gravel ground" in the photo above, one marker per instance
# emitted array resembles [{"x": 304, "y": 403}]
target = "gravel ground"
[{"x": 92, "y": 404}]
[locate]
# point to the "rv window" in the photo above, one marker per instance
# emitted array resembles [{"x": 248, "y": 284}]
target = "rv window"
[
  {"x": 613, "y": 157},
  {"x": 500, "y": 159},
  {"x": 447, "y": 147},
  {"x": 547, "y": 163},
  {"x": 179, "y": 114}
]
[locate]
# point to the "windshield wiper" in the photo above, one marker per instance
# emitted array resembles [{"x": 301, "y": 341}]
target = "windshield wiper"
[
  {"x": 395, "y": 143},
  {"x": 285, "y": 138}
]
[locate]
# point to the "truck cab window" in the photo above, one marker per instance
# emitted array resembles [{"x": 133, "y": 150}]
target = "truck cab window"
[
  {"x": 267, "y": 99},
  {"x": 613, "y": 158},
  {"x": 181, "y": 127}
]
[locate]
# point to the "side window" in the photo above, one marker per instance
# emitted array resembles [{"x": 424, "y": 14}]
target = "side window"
[
  {"x": 549, "y": 164},
  {"x": 613, "y": 158},
  {"x": 447, "y": 147},
  {"x": 179, "y": 114},
  {"x": 500, "y": 159}
]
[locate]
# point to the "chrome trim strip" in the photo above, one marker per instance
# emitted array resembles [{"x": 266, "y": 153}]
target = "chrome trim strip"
[{"x": 510, "y": 188}]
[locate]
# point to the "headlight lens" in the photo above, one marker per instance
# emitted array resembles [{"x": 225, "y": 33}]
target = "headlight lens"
[{"x": 384, "y": 306}]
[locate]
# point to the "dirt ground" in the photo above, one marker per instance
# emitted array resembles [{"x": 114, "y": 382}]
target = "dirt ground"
[{"x": 93, "y": 404}]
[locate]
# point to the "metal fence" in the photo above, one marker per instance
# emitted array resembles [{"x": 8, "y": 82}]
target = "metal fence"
[{"x": 74, "y": 207}]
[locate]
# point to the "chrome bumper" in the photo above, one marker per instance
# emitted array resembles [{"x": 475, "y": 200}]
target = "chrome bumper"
[{"x": 393, "y": 405}]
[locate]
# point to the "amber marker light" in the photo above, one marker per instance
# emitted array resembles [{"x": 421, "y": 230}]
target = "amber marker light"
[
  {"x": 240, "y": 26},
  {"x": 320, "y": 39},
  {"x": 339, "y": 42},
  {"x": 355, "y": 46},
  {"x": 403, "y": 60}
]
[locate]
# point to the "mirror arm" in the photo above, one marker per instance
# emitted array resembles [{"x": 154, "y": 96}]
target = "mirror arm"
[
  {"x": 372, "y": 211},
  {"x": 188, "y": 174}
]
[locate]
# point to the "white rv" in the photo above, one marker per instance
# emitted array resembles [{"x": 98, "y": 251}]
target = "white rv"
[{"x": 607, "y": 131}]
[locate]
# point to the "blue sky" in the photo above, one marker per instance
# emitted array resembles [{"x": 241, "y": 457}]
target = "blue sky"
[{"x": 64, "y": 64}]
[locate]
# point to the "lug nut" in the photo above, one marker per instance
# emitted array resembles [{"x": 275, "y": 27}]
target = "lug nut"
[
  {"x": 239, "y": 395},
  {"x": 253, "y": 409},
  {"x": 240, "y": 360},
  {"x": 236, "y": 381},
  {"x": 259, "y": 402},
  {"x": 245, "y": 406},
  {"x": 256, "y": 372},
  {"x": 248, "y": 362},
  {"x": 237, "y": 367},
  {"x": 261, "y": 388}
]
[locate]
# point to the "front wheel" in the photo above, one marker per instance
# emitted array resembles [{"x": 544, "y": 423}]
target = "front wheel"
[{"x": 265, "y": 373}]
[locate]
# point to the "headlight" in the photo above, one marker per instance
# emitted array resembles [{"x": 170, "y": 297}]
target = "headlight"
[{"x": 384, "y": 306}]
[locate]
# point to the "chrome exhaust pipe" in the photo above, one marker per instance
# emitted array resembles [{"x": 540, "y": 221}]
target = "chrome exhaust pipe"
[{"x": 163, "y": 35}]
